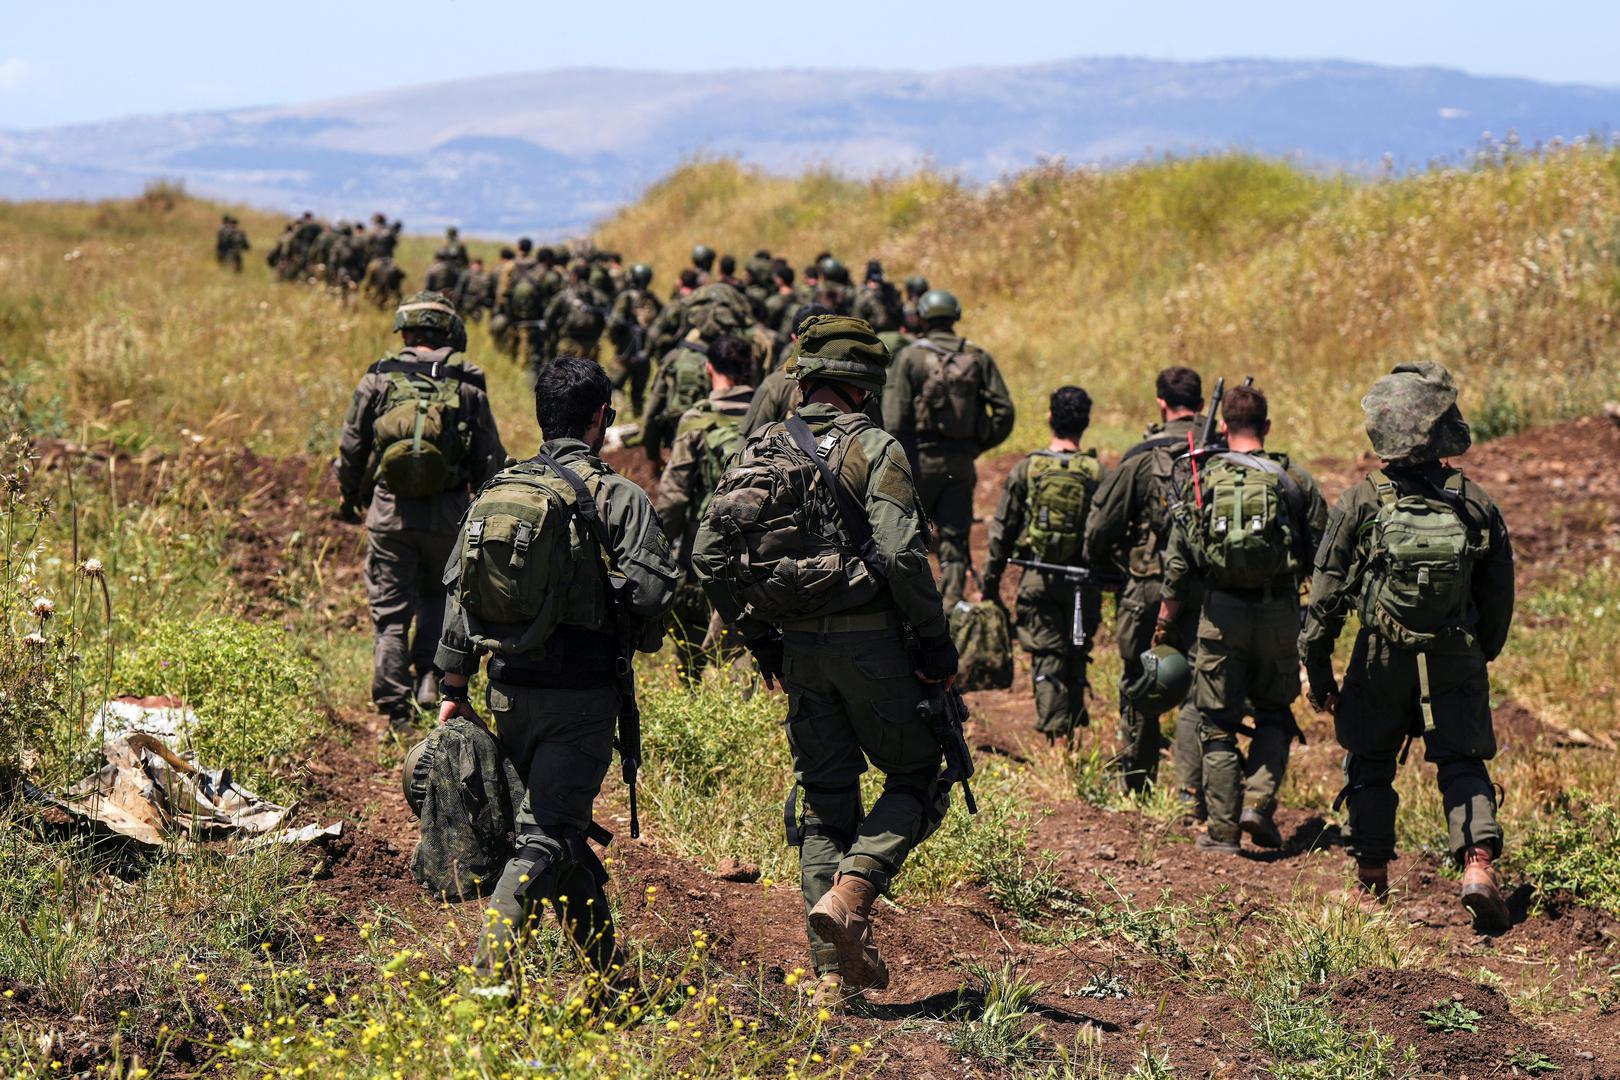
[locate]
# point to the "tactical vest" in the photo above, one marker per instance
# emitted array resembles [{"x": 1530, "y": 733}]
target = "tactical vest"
[
  {"x": 526, "y": 563},
  {"x": 1060, "y": 489},
  {"x": 784, "y": 553},
  {"x": 948, "y": 405}
]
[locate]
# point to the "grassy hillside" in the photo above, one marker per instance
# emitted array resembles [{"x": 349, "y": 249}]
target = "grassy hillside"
[{"x": 1234, "y": 265}]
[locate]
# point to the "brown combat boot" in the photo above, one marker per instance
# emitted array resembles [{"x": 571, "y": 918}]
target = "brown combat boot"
[
  {"x": 1372, "y": 884},
  {"x": 1481, "y": 894},
  {"x": 844, "y": 917},
  {"x": 1261, "y": 829}
]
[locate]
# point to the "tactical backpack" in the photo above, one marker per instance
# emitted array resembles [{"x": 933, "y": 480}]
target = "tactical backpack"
[
  {"x": 1248, "y": 531},
  {"x": 1061, "y": 487},
  {"x": 584, "y": 321},
  {"x": 948, "y": 405},
  {"x": 687, "y": 373},
  {"x": 982, "y": 634},
  {"x": 722, "y": 438},
  {"x": 421, "y": 434},
  {"x": 784, "y": 552},
  {"x": 1423, "y": 548},
  {"x": 525, "y": 562},
  {"x": 464, "y": 793},
  {"x": 526, "y": 302}
]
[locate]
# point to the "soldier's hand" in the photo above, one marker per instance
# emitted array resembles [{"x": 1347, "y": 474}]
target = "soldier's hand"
[
  {"x": 767, "y": 654},
  {"x": 1164, "y": 633},
  {"x": 449, "y": 709},
  {"x": 937, "y": 659}
]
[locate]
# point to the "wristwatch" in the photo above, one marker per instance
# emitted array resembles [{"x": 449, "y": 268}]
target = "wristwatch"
[{"x": 459, "y": 694}]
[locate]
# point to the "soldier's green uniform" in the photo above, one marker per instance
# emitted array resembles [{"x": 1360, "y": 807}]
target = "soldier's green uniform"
[
  {"x": 776, "y": 396},
  {"x": 1392, "y": 691},
  {"x": 681, "y": 379},
  {"x": 878, "y": 302},
  {"x": 635, "y": 310},
  {"x": 409, "y": 539},
  {"x": 944, "y": 452},
  {"x": 1045, "y": 603},
  {"x": 1131, "y": 518},
  {"x": 852, "y": 692},
  {"x": 554, "y": 712},
  {"x": 576, "y": 319},
  {"x": 1246, "y": 660},
  {"x": 696, "y": 462}
]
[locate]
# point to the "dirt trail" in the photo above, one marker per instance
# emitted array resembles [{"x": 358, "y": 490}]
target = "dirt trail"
[{"x": 1560, "y": 497}]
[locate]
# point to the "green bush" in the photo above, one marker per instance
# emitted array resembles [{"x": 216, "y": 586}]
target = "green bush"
[
  {"x": 252, "y": 694},
  {"x": 1576, "y": 850}
]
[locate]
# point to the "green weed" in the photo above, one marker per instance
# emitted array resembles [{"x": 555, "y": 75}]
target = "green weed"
[
  {"x": 999, "y": 1034},
  {"x": 1450, "y": 1018}
]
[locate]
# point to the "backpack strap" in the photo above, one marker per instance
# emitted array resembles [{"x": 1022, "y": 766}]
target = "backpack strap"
[
  {"x": 432, "y": 369},
  {"x": 584, "y": 504},
  {"x": 1147, "y": 446},
  {"x": 851, "y": 513}
]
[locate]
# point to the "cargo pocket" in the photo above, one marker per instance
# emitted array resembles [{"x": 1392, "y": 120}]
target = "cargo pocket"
[
  {"x": 1462, "y": 709},
  {"x": 901, "y": 740}
]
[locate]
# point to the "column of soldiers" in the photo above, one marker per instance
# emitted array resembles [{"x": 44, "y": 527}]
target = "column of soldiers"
[
  {"x": 345, "y": 257},
  {"x": 791, "y": 524}
]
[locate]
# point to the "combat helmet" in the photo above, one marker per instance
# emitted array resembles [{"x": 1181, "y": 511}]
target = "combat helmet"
[
  {"x": 415, "y": 772},
  {"x": 1164, "y": 683},
  {"x": 842, "y": 348},
  {"x": 702, "y": 256},
  {"x": 916, "y": 285},
  {"x": 641, "y": 274},
  {"x": 1412, "y": 414},
  {"x": 939, "y": 304},
  {"x": 718, "y": 309},
  {"x": 432, "y": 311},
  {"x": 834, "y": 271}
]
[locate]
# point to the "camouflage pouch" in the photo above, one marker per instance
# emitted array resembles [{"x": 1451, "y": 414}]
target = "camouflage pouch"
[
  {"x": 465, "y": 794},
  {"x": 982, "y": 633}
]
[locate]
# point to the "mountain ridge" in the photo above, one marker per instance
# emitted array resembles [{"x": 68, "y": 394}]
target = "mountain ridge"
[{"x": 552, "y": 151}]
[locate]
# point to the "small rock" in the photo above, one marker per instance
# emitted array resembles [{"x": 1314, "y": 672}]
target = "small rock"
[
  {"x": 1586, "y": 1055},
  {"x": 1107, "y": 853},
  {"x": 731, "y": 869}
]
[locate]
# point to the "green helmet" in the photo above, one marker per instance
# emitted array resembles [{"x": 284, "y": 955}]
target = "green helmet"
[
  {"x": 641, "y": 274},
  {"x": 916, "y": 285},
  {"x": 939, "y": 304},
  {"x": 1412, "y": 414},
  {"x": 1165, "y": 680},
  {"x": 718, "y": 309},
  {"x": 414, "y": 774},
  {"x": 834, "y": 271},
  {"x": 842, "y": 348},
  {"x": 432, "y": 311},
  {"x": 703, "y": 256}
]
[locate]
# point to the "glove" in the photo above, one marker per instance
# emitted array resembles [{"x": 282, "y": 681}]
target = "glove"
[
  {"x": 767, "y": 653},
  {"x": 990, "y": 589},
  {"x": 937, "y": 659}
]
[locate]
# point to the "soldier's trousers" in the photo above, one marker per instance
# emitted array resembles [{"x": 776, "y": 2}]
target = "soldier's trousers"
[
  {"x": 404, "y": 585},
  {"x": 1247, "y": 659},
  {"x": 1140, "y": 733},
  {"x": 1381, "y": 705},
  {"x": 852, "y": 699},
  {"x": 945, "y": 481},
  {"x": 1057, "y": 664},
  {"x": 689, "y": 626},
  {"x": 561, "y": 743}
]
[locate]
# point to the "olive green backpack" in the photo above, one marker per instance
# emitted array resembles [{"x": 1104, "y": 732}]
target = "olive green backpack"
[
  {"x": 1247, "y": 531},
  {"x": 1061, "y": 487},
  {"x": 526, "y": 561},
  {"x": 687, "y": 373},
  {"x": 722, "y": 441},
  {"x": 948, "y": 404},
  {"x": 1421, "y": 562},
  {"x": 421, "y": 434}
]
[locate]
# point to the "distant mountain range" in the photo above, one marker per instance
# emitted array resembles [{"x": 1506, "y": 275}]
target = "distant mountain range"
[{"x": 551, "y": 152}]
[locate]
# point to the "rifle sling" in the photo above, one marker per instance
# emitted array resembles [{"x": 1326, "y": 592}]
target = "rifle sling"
[{"x": 850, "y": 513}]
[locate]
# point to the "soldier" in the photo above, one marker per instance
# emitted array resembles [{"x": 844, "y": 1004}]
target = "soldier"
[
  {"x": 634, "y": 311},
  {"x": 280, "y": 256},
  {"x": 947, "y": 404},
  {"x": 1042, "y": 517},
  {"x": 527, "y": 292},
  {"x": 702, "y": 263},
  {"x": 782, "y": 296},
  {"x": 709, "y": 435},
  {"x": 559, "y": 673},
  {"x": 577, "y": 316},
  {"x": 853, "y": 685},
  {"x": 911, "y": 323},
  {"x": 1129, "y": 528},
  {"x": 230, "y": 243},
  {"x": 1422, "y": 554},
  {"x": 419, "y": 438},
  {"x": 776, "y": 394},
  {"x": 1245, "y": 532},
  {"x": 878, "y": 302},
  {"x": 454, "y": 251},
  {"x": 475, "y": 292},
  {"x": 834, "y": 288},
  {"x": 682, "y": 380}
]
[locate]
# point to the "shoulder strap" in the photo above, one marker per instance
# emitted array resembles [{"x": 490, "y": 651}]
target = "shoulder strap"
[
  {"x": 431, "y": 370},
  {"x": 1292, "y": 492},
  {"x": 585, "y": 504},
  {"x": 1147, "y": 446},
  {"x": 850, "y": 513}
]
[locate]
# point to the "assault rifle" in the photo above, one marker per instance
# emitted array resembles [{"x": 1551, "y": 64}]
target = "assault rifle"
[
  {"x": 945, "y": 712},
  {"x": 1074, "y": 575}
]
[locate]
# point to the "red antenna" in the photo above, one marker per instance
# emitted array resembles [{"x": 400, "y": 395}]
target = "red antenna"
[{"x": 1192, "y": 454}]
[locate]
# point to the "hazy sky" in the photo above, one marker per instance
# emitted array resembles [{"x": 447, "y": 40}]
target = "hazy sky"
[{"x": 62, "y": 62}]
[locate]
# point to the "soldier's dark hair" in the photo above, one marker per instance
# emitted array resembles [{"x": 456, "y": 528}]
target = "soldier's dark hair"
[
  {"x": 732, "y": 357},
  {"x": 475, "y": 261},
  {"x": 821, "y": 257},
  {"x": 580, "y": 271},
  {"x": 546, "y": 255},
  {"x": 1245, "y": 411},
  {"x": 762, "y": 254},
  {"x": 782, "y": 272},
  {"x": 567, "y": 393},
  {"x": 508, "y": 253},
  {"x": 874, "y": 270},
  {"x": 811, "y": 273},
  {"x": 525, "y": 245},
  {"x": 1071, "y": 412},
  {"x": 689, "y": 278},
  {"x": 1180, "y": 388},
  {"x": 728, "y": 265},
  {"x": 808, "y": 311}
]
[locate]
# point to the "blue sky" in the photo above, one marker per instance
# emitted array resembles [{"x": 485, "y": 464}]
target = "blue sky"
[{"x": 63, "y": 62}]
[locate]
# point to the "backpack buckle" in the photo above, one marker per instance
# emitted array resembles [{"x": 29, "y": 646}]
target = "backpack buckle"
[
  {"x": 520, "y": 545},
  {"x": 475, "y": 537}
]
